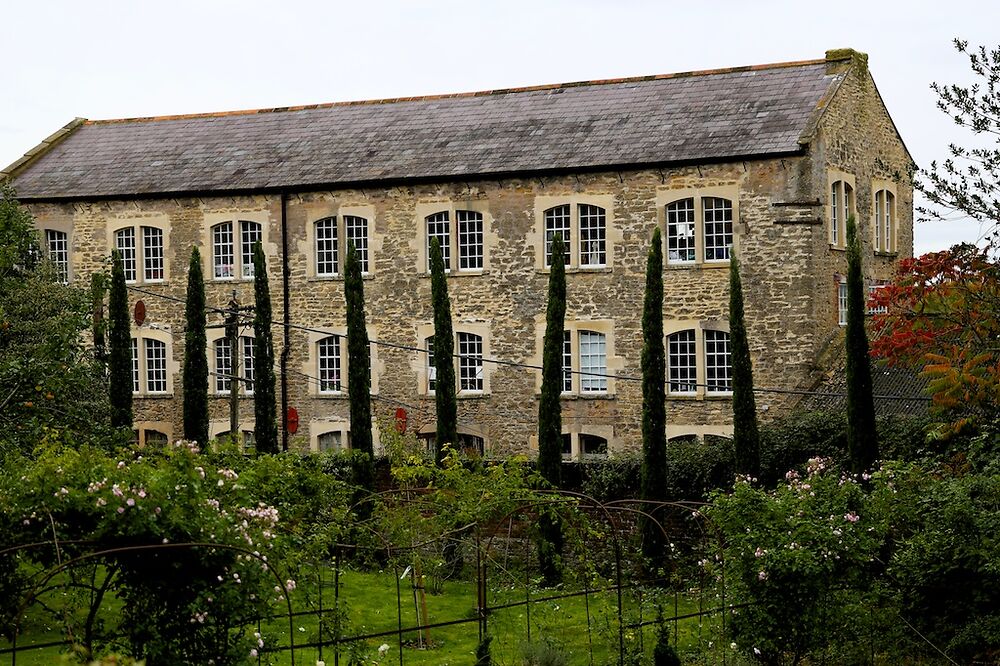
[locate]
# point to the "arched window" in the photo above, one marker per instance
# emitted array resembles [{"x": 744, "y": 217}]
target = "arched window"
[
  {"x": 682, "y": 362},
  {"x": 150, "y": 364},
  {"x": 232, "y": 249},
  {"x": 586, "y": 222},
  {"x": 841, "y": 207},
  {"x": 224, "y": 365},
  {"x": 884, "y": 222},
  {"x": 329, "y": 366}
]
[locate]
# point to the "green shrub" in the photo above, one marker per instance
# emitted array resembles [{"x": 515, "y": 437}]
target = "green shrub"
[{"x": 545, "y": 652}]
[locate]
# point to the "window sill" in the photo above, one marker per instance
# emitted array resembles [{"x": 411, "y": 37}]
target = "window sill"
[
  {"x": 152, "y": 396},
  {"x": 586, "y": 396},
  {"x": 335, "y": 278},
  {"x": 331, "y": 396},
  {"x": 480, "y": 395},
  {"x": 225, "y": 396},
  {"x": 578, "y": 270},
  {"x": 838, "y": 248},
  {"x": 886, "y": 254},
  {"x": 451, "y": 274},
  {"x": 711, "y": 265}
]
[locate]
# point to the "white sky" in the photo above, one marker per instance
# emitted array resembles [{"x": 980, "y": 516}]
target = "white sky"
[{"x": 104, "y": 59}]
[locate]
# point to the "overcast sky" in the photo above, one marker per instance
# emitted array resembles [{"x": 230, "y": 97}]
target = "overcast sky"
[{"x": 103, "y": 59}]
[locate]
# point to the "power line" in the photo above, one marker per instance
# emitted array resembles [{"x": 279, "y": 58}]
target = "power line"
[{"x": 532, "y": 366}]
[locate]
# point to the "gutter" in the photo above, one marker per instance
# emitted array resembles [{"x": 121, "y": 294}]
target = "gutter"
[{"x": 285, "y": 294}]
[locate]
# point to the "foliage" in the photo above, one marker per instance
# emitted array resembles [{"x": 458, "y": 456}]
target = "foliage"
[
  {"x": 942, "y": 316},
  {"x": 802, "y": 556},
  {"x": 746, "y": 435},
  {"x": 968, "y": 182},
  {"x": 120, "y": 343},
  {"x": 664, "y": 653},
  {"x": 483, "y": 657},
  {"x": 862, "y": 439},
  {"x": 550, "y": 539},
  {"x": 50, "y": 384},
  {"x": 195, "y": 356},
  {"x": 444, "y": 357},
  {"x": 359, "y": 357},
  {"x": 654, "y": 417},
  {"x": 545, "y": 652},
  {"x": 265, "y": 418},
  {"x": 180, "y": 603}
]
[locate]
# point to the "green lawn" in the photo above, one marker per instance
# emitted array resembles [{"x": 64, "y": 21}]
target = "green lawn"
[{"x": 369, "y": 603}]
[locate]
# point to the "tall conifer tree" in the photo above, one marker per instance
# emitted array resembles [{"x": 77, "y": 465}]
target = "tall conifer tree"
[
  {"x": 654, "y": 418},
  {"x": 549, "y": 411},
  {"x": 746, "y": 435},
  {"x": 120, "y": 342},
  {"x": 266, "y": 427},
  {"x": 358, "y": 356},
  {"x": 444, "y": 357},
  {"x": 862, "y": 441},
  {"x": 195, "y": 356}
]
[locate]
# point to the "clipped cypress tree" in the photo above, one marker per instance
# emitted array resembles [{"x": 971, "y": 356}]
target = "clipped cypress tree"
[
  {"x": 266, "y": 427},
  {"x": 653, "y": 478},
  {"x": 746, "y": 435},
  {"x": 444, "y": 358},
  {"x": 120, "y": 347},
  {"x": 862, "y": 442},
  {"x": 195, "y": 356},
  {"x": 549, "y": 412},
  {"x": 359, "y": 383}
]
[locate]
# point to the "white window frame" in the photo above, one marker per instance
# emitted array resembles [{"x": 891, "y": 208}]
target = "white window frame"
[
  {"x": 585, "y": 233},
  {"x": 57, "y": 246},
  {"x": 574, "y": 435},
  {"x": 461, "y": 232},
  {"x": 330, "y": 379},
  {"x": 698, "y": 339},
  {"x": 152, "y": 363},
  {"x": 884, "y": 218},
  {"x": 143, "y": 261},
  {"x": 872, "y": 289},
  {"x": 472, "y": 375},
  {"x": 221, "y": 385},
  {"x": 687, "y": 219},
  {"x": 842, "y": 204},
  {"x": 341, "y": 230},
  {"x": 234, "y": 239},
  {"x": 587, "y": 357},
  {"x": 842, "y": 302}
]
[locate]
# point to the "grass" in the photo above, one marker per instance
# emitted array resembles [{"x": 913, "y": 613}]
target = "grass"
[{"x": 368, "y": 602}]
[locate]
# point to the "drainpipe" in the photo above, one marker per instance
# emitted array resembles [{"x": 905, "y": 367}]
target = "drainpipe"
[{"x": 286, "y": 319}]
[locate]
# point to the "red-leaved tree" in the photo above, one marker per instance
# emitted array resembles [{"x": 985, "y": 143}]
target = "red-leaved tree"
[{"x": 941, "y": 315}]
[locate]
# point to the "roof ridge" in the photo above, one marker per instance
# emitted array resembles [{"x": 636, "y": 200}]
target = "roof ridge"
[{"x": 461, "y": 95}]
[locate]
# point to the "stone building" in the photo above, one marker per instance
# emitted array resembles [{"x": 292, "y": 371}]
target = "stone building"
[{"x": 764, "y": 161}]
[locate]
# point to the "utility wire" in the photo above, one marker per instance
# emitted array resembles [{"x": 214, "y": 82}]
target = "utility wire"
[{"x": 532, "y": 366}]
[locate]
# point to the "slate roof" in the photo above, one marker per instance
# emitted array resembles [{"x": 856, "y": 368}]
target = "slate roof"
[
  {"x": 898, "y": 391},
  {"x": 681, "y": 118}
]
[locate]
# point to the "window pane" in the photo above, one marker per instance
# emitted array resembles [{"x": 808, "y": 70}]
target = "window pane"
[
  {"x": 156, "y": 438},
  {"x": 848, "y": 203},
  {"x": 247, "y": 368},
  {"x": 592, "y": 236},
  {"x": 152, "y": 253},
  {"x": 431, "y": 369},
  {"x": 593, "y": 446},
  {"x": 593, "y": 359},
  {"x": 718, "y": 362},
  {"x": 135, "y": 365},
  {"x": 356, "y": 229},
  {"x": 567, "y": 362},
  {"x": 471, "y": 445},
  {"x": 834, "y": 221},
  {"x": 842, "y": 304},
  {"x": 890, "y": 211},
  {"x": 680, "y": 232},
  {"x": 718, "y": 228},
  {"x": 470, "y": 349},
  {"x": 879, "y": 197},
  {"x": 470, "y": 240},
  {"x": 58, "y": 246},
  {"x": 682, "y": 360},
  {"x": 223, "y": 365},
  {"x": 557, "y": 221},
  {"x": 156, "y": 366},
  {"x": 222, "y": 250},
  {"x": 331, "y": 441},
  {"x": 326, "y": 246},
  {"x": 250, "y": 233},
  {"x": 125, "y": 242},
  {"x": 329, "y": 365},
  {"x": 439, "y": 226},
  {"x": 567, "y": 446}
]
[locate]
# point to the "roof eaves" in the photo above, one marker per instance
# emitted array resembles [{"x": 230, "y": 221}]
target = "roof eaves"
[
  {"x": 408, "y": 180},
  {"x": 45, "y": 146}
]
